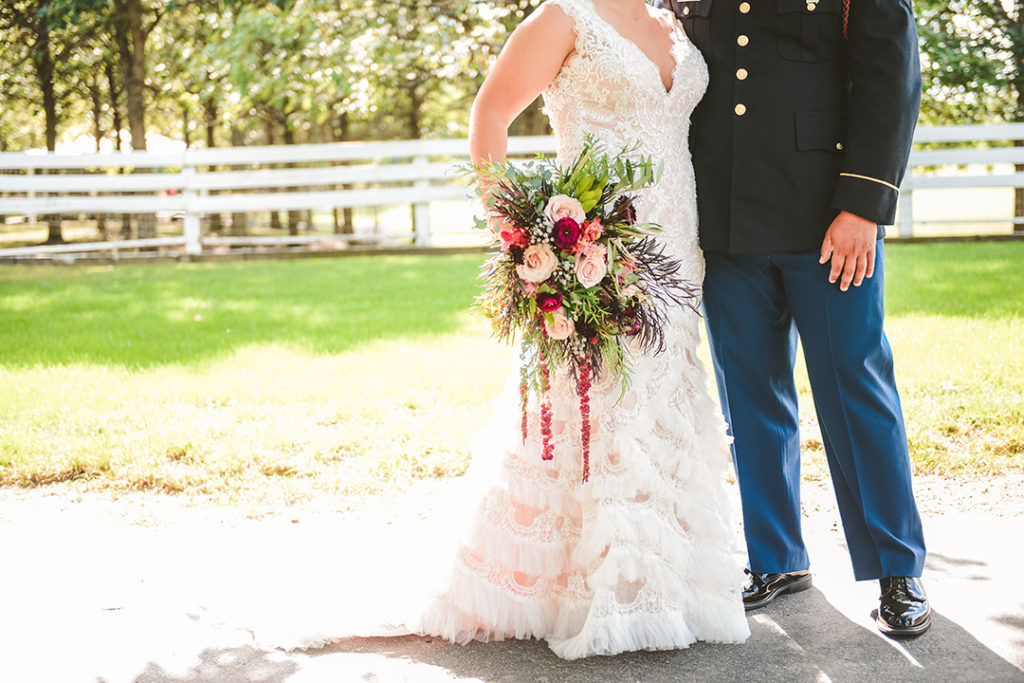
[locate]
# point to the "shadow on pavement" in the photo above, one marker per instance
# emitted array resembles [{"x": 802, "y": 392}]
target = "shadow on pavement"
[
  {"x": 803, "y": 638},
  {"x": 226, "y": 665}
]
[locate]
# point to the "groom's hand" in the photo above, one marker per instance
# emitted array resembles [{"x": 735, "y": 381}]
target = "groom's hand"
[{"x": 850, "y": 243}]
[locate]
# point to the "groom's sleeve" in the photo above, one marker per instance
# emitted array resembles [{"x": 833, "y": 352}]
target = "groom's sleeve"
[{"x": 885, "y": 98}]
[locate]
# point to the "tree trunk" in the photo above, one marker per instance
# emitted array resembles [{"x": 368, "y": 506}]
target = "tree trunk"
[
  {"x": 293, "y": 215},
  {"x": 131, "y": 43},
  {"x": 239, "y": 219},
  {"x": 275, "y": 215},
  {"x": 44, "y": 67},
  {"x": 347, "y": 224},
  {"x": 1018, "y": 83},
  {"x": 185, "y": 123},
  {"x": 1018, "y": 198},
  {"x": 215, "y": 223},
  {"x": 415, "y": 112},
  {"x": 97, "y": 133},
  {"x": 115, "y": 108}
]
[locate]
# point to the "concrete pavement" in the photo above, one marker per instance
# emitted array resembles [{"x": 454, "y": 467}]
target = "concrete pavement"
[{"x": 109, "y": 591}]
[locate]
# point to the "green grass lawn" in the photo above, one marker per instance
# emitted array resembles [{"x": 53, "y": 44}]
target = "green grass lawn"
[{"x": 271, "y": 382}]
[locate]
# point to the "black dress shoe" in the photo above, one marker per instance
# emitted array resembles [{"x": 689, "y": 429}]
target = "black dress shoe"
[
  {"x": 903, "y": 610},
  {"x": 763, "y": 588}
]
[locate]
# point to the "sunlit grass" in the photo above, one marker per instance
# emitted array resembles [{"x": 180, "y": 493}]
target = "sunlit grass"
[{"x": 269, "y": 383}]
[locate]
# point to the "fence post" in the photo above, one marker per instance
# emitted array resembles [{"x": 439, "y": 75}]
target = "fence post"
[
  {"x": 421, "y": 210},
  {"x": 193, "y": 243},
  {"x": 906, "y": 219},
  {"x": 31, "y": 195}
]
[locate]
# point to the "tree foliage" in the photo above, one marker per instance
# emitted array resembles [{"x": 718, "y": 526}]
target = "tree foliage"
[
  {"x": 972, "y": 60},
  {"x": 210, "y": 71},
  {"x": 205, "y": 71}
]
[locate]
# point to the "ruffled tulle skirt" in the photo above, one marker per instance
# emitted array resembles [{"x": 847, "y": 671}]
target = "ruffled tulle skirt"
[{"x": 640, "y": 557}]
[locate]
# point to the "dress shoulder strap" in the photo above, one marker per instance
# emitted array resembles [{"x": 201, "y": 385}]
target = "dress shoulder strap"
[{"x": 584, "y": 22}]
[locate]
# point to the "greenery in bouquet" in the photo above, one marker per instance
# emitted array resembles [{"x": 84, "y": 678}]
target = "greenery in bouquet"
[{"x": 577, "y": 277}]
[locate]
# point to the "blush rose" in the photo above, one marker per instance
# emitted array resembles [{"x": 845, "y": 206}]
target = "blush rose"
[
  {"x": 558, "y": 327},
  {"x": 538, "y": 263},
  {"x": 563, "y": 206},
  {"x": 590, "y": 265}
]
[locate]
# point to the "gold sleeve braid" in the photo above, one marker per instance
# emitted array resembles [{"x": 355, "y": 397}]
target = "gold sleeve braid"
[{"x": 874, "y": 180}]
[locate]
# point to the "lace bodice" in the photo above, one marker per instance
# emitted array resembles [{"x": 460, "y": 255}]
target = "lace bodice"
[{"x": 612, "y": 90}]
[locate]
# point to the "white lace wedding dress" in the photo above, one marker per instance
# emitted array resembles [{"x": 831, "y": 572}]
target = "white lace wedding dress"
[{"x": 641, "y": 557}]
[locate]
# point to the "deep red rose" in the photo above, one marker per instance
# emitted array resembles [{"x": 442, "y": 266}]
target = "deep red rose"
[
  {"x": 548, "y": 302},
  {"x": 567, "y": 233}
]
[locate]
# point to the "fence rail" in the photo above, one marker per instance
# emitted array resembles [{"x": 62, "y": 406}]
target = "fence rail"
[
  {"x": 372, "y": 174},
  {"x": 985, "y": 158}
]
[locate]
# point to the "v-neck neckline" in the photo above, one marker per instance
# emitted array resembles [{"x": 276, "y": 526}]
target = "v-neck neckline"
[{"x": 657, "y": 69}]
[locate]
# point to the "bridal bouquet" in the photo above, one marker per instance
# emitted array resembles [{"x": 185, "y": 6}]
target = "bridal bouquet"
[{"x": 576, "y": 276}]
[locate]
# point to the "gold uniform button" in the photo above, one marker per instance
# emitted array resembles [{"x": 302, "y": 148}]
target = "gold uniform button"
[
  {"x": 742, "y": 41},
  {"x": 839, "y": 146},
  {"x": 686, "y": 11},
  {"x": 811, "y": 6},
  {"x": 741, "y": 74},
  {"x": 741, "y": 109},
  {"x": 744, "y": 7}
]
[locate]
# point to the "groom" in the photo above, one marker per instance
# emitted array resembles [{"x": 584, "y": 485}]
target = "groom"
[{"x": 799, "y": 147}]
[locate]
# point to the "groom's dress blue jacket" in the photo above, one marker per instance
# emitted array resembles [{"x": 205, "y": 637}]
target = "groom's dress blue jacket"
[{"x": 799, "y": 123}]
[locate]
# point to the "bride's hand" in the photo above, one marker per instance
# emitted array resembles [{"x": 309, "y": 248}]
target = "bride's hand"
[{"x": 850, "y": 243}]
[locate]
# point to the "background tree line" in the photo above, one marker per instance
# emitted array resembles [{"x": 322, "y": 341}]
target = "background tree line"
[
  {"x": 215, "y": 72},
  {"x": 230, "y": 72}
]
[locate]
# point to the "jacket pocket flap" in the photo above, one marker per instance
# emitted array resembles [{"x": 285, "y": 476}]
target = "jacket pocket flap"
[
  {"x": 824, "y": 130},
  {"x": 831, "y": 6},
  {"x": 697, "y": 8}
]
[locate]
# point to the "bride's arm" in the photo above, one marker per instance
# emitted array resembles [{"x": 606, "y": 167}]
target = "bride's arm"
[{"x": 528, "y": 63}]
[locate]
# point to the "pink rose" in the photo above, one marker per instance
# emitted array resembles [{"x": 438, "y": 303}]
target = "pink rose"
[
  {"x": 563, "y": 206},
  {"x": 538, "y": 263},
  {"x": 592, "y": 230},
  {"x": 590, "y": 265},
  {"x": 558, "y": 327}
]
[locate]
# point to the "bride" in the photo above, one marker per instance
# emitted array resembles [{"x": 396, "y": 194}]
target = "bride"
[{"x": 640, "y": 556}]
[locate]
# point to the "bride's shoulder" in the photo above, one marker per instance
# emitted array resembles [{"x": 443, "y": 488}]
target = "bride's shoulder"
[
  {"x": 553, "y": 14},
  {"x": 549, "y": 28}
]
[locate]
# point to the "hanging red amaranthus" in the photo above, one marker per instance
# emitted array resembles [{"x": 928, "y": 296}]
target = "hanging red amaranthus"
[
  {"x": 524, "y": 388},
  {"x": 548, "y": 451},
  {"x": 584, "y": 372}
]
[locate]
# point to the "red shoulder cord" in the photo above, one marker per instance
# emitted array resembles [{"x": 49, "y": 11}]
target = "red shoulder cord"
[{"x": 846, "y": 19}]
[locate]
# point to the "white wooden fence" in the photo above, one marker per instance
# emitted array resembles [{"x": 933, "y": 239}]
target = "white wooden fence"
[
  {"x": 413, "y": 173},
  {"x": 981, "y": 156}
]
